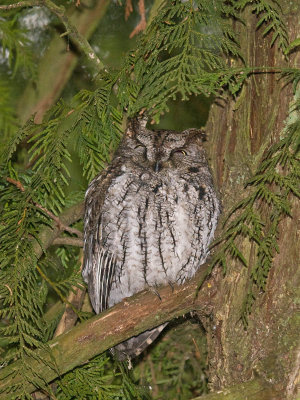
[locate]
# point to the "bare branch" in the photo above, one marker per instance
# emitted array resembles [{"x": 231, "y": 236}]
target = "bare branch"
[
  {"x": 74, "y": 300},
  {"x": 72, "y": 31},
  {"x": 49, "y": 234},
  {"x": 59, "y": 223},
  {"x": 141, "y": 26},
  {"x": 68, "y": 241}
]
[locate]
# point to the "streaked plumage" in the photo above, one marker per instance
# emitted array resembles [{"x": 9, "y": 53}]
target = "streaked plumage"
[{"x": 149, "y": 218}]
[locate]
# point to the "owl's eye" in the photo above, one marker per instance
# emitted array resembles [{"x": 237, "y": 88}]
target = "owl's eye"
[
  {"x": 179, "y": 151},
  {"x": 139, "y": 146}
]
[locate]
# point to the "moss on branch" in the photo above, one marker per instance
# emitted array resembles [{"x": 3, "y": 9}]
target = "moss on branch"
[{"x": 129, "y": 318}]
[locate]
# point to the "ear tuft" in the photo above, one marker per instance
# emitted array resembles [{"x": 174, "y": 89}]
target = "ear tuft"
[
  {"x": 199, "y": 134},
  {"x": 135, "y": 125}
]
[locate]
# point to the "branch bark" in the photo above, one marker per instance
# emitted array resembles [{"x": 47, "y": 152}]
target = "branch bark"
[{"x": 129, "y": 318}]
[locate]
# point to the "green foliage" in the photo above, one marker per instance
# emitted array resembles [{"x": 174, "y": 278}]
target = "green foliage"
[
  {"x": 99, "y": 379},
  {"x": 15, "y": 44},
  {"x": 8, "y": 122},
  {"x": 22, "y": 293},
  {"x": 270, "y": 20},
  {"x": 183, "y": 52},
  {"x": 175, "y": 367}
]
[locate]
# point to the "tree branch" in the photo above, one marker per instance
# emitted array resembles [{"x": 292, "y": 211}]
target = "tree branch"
[
  {"x": 21, "y": 4},
  {"x": 68, "y": 241},
  {"x": 49, "y": 234},
  {"x": 71, "y": 30},
  {"x": 58, "y": 221},
  {"x": 129, "y": 318}
]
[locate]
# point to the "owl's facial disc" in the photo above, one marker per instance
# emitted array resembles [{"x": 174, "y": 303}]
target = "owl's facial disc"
[{"x": 163, "y": 149}]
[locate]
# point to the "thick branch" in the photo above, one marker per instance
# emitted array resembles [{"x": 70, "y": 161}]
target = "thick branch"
[
  {"x": 72, "y": 31},
  {"x": 129, "y": 318},
  {"x": 68, "y": 241}
]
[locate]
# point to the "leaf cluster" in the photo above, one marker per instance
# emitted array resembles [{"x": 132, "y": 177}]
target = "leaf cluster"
[
  {"x": 175, "y": 366},
  {"x": 100, "y": 378}
]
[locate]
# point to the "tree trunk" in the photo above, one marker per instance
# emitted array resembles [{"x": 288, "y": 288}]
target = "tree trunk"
[{"x": 239, "y": 132}]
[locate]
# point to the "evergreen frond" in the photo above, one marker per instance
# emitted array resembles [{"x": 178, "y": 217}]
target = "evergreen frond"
[
  {"x": 8, "y": 120},
  {"x": 270, "y": 19},
  {"x": 182, "y": 53},
  {"x": 15, "y": 46},
  {"x": 99, "y": 379}
]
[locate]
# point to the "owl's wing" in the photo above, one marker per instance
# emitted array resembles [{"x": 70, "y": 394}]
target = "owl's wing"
[
  {"x": 99, "y": 265},
  {"x": 98, "y": 273}
]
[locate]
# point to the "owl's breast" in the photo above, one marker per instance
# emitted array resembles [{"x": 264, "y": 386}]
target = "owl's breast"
[{"x": 158, "y": 229}]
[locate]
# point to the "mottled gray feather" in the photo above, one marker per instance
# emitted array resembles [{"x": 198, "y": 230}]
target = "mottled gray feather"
[{"x": 149, "y": 218}]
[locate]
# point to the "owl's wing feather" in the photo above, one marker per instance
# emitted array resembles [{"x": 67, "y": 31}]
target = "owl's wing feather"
[
  {"x": 100, "y": 277},
  {"x": 99, "y": 264}
]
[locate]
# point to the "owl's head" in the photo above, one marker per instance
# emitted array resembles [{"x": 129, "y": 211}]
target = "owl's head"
[{"x": 163, "y": 149}]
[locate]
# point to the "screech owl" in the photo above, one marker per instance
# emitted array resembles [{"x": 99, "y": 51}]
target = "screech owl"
[{"x": 149, "y": 219}]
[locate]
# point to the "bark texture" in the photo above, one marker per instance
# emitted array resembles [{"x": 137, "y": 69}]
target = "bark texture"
[
  {"x": 128, "y": 318},
  {"x": 240, "y": 131}
]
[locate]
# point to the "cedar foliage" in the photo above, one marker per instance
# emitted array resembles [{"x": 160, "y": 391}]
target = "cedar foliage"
[{"x": 183, "y": 52}]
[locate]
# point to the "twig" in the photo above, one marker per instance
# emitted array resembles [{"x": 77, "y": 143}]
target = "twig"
[
  {"x": 78, "y": 39},
  {"x": 141, "y": 26},
  {"x": 59, "y": 223},
  {"x": 21, "y": 4},
  {"x": 128, "y": 9},
  {"x": 69, "y": 241},
  {"x": 71, "y": 30}
]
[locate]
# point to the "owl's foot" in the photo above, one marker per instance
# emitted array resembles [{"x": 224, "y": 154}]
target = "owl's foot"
[{"x": 154, "y": 290}]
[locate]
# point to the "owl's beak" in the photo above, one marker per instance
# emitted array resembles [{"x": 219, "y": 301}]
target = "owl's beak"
[{"x": 157, "y": 166}]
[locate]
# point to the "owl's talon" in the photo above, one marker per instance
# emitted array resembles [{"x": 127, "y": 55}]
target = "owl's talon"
[
  {"x": 155, "y": 291},
  {"x": 171, "y": 286}
]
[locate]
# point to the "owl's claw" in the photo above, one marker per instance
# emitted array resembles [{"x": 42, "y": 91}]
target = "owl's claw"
[
  {"x": 171, "y": 286},
  {"x": 155, "y": 291}
]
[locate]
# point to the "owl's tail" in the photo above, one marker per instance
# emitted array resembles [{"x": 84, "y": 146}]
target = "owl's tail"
[{"x": 134, "y": 346}]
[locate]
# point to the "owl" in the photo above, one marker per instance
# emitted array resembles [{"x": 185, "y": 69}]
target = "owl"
[{"x": 149, "y": 219}]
